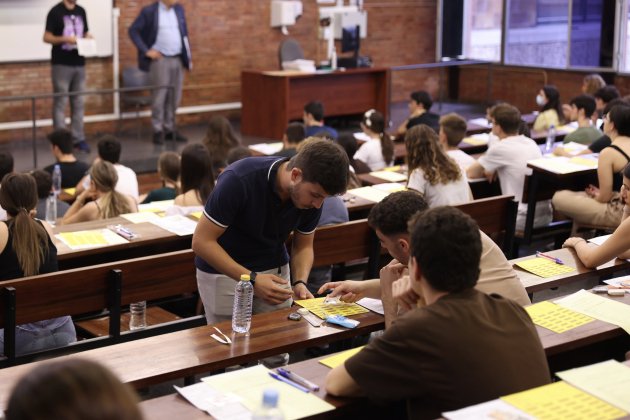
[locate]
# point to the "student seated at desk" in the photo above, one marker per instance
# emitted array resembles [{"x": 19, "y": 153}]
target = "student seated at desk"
[
  {"x": 452, "y": 131},
  {"x": 548, "y": 99},
  {"x": 72, "y": 170},
  {"x": 602, "y": 206},
  {"x": 196, "y": 178},
  {"x": 389, "y": 220},
  {"x": 219, "y": 139},
  {"x": 168, "y": 169},
  {"x": 313, "y": 118},
  {"x": 464, "y": 347},
  {"x": 106, "y": 201},
  {"x": 72, "y": 389},
  {"x": 431, "y": 172},
  {"x": 27, "y": 250},
  {"x": 44, "y": 188},
  {"x": 378, "y": 152},
  {"x": 291, "y": 138},
  {"x": 419, "y": 105},
  {"x": 617, "y": 245}
]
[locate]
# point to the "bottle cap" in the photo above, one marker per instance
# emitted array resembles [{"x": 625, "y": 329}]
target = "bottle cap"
[
  {"x": 270, "y": 397},
  {"x": 245, "y": 277}
]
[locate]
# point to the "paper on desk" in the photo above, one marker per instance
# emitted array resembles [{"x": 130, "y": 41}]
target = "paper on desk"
[
  {"x": 599, "y": 239},
  {"x": 491, "y": 410},
  {"x": 477, "y": 139},
  {"x": 85, "y": 239},
  {"x": 604, "y": 309},
  {"x": 140, "y": 217},
  {"x": 480, "y": 121},
  {"x": 86, "y": 47},
  {"x": 574, "y": 148},
  {"x": 155, "y": 206},
  {"x": 374, "y": 305},
  {"x": 608, "y": 381},
  {"x": 250, "y": 383},
  {"x": 544, "y": 268},
  {"x": 219, "y": 405},
  {"x": 267, "y": 148},
  {"x": 564, "y": 165},
  {"x": 177, "y": 224},
  {"x": 584, "y": 161},
  {"x": 555, "y": 317},
  {"x": 562, "y": 401},
  {"x": 339, "y": 358},
  {"x": 70, "y": 191},
  {"x": 369, "y": 193},
  {"x": 389, "y": 176},
  {"x": 389, "y": 187},
  {"x": 623, "y": 281},
  {"x": 322, "y": 310}
]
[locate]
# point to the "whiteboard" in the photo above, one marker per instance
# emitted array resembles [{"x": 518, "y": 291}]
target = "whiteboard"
[{"x": 22, "y": 25}]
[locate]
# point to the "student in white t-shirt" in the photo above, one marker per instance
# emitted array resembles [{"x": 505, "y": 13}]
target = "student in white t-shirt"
[
  {"x": 452, "y": 132},
  {"x": 431, "y": 172},
  {"x": 378, "y": 152},
  {"x": 508, "y": 159}
]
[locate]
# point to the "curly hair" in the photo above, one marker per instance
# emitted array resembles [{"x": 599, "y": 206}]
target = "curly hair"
[{"x": 424, "y": 152}]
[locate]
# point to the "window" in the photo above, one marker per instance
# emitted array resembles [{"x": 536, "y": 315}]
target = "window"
[{"x": 483, "y": 21}]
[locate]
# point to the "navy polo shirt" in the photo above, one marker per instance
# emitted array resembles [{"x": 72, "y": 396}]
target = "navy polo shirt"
[{"x": 245, "y": 202}]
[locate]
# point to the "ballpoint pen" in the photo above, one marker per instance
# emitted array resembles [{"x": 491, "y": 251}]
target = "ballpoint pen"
[
  {"x": 298, "y": 379},
  {"x": 288, "y": 381},
  {"x": 549, "y": 257}
]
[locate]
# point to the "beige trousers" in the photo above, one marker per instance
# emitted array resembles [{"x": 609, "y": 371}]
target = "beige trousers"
[{"x": 585, "y": 210}]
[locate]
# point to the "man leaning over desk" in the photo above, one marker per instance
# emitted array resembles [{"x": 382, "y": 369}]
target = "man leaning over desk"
[{"x": 255, "y": 205}]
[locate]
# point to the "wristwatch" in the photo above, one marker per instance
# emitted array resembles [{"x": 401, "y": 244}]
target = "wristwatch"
[
  {"x": 252, "y": 277},
  {"x": 295, "y": 283}
]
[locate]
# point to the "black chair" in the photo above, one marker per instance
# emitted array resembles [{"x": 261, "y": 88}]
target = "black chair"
[
  {"x": 289, "y": 50},
  {"x": 133, "y": 77}
]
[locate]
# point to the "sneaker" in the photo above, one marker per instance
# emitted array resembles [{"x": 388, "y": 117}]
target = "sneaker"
[
  {"x": 174, "y": 135},
  {"x": 157, "y": 138},
  {"x": 82, "y": 147}
]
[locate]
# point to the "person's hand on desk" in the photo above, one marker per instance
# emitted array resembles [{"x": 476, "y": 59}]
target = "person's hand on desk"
[
  {"x": 348, "y": 290},
  {"x": 300, "y": 291},
  {"x": 270, "y": 288},
  {"x": 404, "y": 295},
  {"x": 572, "y": 242},
  {"x": 154, "y": 54}
]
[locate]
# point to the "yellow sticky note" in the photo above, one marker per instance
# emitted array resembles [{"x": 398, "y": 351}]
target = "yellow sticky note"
[
  {"x": 70, "y": 191},
  {"x": 544, "y": 268},
  {"x": 196, "y": 214},
  {"x": 339, "y": 358},
  {"x": 322, "y": 310},
  {"x": 556, "y": 318},
  {"x": 560, "y": 401},
  {"x": 591, "y": 163}
]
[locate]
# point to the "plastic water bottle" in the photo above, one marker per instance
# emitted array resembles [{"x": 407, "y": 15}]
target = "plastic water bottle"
[
  {"x": 551, "y": 138},
  {"x": 56, "y": 180},
  {"x": 242, "y": 310},
  {"x": 333, "y": 59},
  {"x": 51, "y": 209},
  {"x": 138, "y": 318},
  {"x": 269, "y": 409}
]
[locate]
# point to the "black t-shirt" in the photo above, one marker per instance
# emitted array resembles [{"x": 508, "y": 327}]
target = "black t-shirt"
[
  {"x": 600, "y": 144},
  {"x": 428, "y": 118},
  {"x": 71, "y": 172},
  {"x": 62, "y": 21}
]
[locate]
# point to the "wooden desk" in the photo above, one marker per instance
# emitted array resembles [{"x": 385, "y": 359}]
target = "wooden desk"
[
  {"x": 175, "y": 355},
  {"x": 271, "y": 99},
  {"x": 534, "y": 283}
]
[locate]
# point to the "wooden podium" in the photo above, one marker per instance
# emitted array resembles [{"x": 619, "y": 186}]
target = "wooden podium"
[{"x": 271, "y": 99}]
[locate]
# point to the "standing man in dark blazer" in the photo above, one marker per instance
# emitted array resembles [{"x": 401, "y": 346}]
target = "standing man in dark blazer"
[{"x": 161, "y": 36}]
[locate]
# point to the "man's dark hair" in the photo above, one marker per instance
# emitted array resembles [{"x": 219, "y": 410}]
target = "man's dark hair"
[
  {"x": 349, "y": 144},
  {"x": 508, "y": 117},
  {"x": 620, "y": 116},
  {"x": 237, "y": 153},
  {"x": 422, "y": 97},
  {"x": 607, "y": 93},
  {"x": 109, "y": 149},
  {"x": 61, "y": 138},
  {"x": 611, "y": 104},
  {"x": 393, "y": 213},
  {"x": 44, "y": 182},
  {"x": 585, "y": 102},
  {"x": 323, "y": 162},
  {"x": 454, "y": 127},
  {"x": 316, "y": 109},
  {"x": 6, "y": 164},
  {"x": 295, "y": 132},
  {"x": 446, "y": 244}
]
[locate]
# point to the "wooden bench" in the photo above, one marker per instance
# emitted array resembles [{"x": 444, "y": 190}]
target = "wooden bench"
[{"x": 94, "y": 289}]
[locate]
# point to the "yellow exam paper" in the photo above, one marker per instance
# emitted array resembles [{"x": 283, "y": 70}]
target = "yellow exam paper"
[
  {"x": 560, "y": 401},
  {"x": 90, "y": 238},
  {"x": 155, "y": 206},
  {"x": 322, "y": 310},
  {"x": 394, "y": 168},
  {"x": 475, "y": 141},
  {"x": 250, "y": 383},
  {"x": 561, "y": 165},
  {"x": 544, "y": 268},
  {"x": 389, "y": 176},
  {"x": 369, "y": 193},
  {"x": 609, "y": 381},
  {"x": 140, "y": 217},
  {"x": 591, "y": 163},
  {"x": 598, "y": 307},
  {"x": 70, "y": 191},
  {"x": 196, "y": 214},
  {"x": 339, "y": 358},
  {"x": 556, "y": 318}
]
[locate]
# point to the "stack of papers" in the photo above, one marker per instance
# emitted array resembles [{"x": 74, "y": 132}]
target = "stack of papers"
[
  {"x": 299, "y": 65},
  {"x": 177, "y": 224},
  {"x": 86, "y": 239},
  {"x": 598, "y": 307},
  {"x": 389, "y": 176},
  {"x": 477, "y": 139}
]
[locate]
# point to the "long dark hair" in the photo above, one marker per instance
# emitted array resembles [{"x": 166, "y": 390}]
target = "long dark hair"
[
  {"x": 196, "y": 171},
  {"x": 375, "y": 122},
  {"x": 553, "y": 100}
]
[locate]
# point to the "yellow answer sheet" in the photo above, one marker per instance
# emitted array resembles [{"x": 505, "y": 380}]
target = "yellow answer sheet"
[
  {"x": 556, "y": 318},
  {"x": 561, "y": 401},
  {"x": 544, "y": 268},
  {"x": 339, "y": 358},
  {"x": 322, "y": 310},
  {"x": 90, "y": 238}
]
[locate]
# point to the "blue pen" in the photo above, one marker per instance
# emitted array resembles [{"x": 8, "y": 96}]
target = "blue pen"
[
  {"x": 297, "y": 378},
  {"x": 549, "y": 257},
  {"x": 288, "y": 381}
]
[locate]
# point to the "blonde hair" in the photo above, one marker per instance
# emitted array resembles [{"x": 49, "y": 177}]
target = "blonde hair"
[
  {"x": 592, "y": 83},
  {"x": 105, "y": 177},
  {"x": 424, "y": 152}
]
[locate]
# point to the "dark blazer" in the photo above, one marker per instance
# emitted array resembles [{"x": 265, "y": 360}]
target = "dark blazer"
[{"x": 143, "y": 32}]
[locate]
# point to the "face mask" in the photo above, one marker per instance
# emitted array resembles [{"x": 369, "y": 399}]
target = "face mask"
[{"x": 540, "y": 100}]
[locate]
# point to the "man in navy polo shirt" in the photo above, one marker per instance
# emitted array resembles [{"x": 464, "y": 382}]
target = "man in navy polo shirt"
[{"x": 255, "y": 205}]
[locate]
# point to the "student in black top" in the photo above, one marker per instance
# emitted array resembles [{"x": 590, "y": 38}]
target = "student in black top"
[
  {"x": 293, "y": 135},
  {"x": 419, "y": 107},
  {"x": 72, "y": 170},
  {"x": 66, "y": 22},
  {"x": 168, "y": 169}
]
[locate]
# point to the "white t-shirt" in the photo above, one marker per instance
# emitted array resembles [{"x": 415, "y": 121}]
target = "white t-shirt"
[
  {"x": 371, "y": 154},
  {"x": 509, "y": 159},
  {"x": 127, "y": 181},
  {"x": 3, "y": 214},
  {"x": 449, "y": 194},
  {"x": 463, "y": 159}
]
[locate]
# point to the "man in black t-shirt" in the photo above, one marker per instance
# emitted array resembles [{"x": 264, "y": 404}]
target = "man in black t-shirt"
[{"x": 65, "y": 23}]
